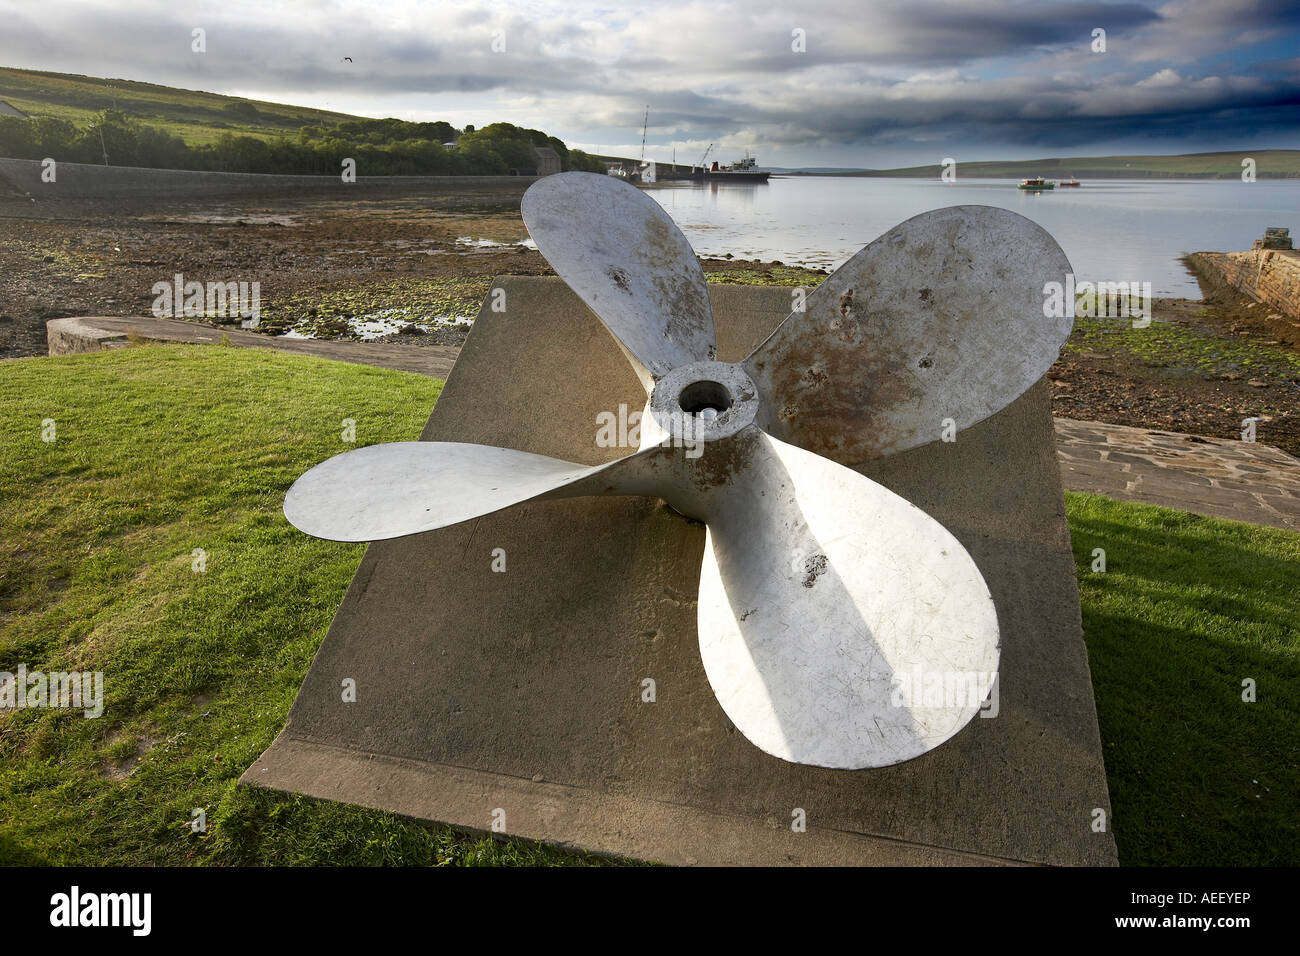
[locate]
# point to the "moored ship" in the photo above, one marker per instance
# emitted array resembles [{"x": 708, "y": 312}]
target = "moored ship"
[
  {"x": 742, "y": 171},
  {"x": 1036, "y": 184}
]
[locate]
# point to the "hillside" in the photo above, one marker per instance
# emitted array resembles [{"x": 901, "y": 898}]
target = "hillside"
[
  {"x": 1269, "y": 164},
  {"x": 196, "y": 117},
  {"x": 126, "y": 123}
]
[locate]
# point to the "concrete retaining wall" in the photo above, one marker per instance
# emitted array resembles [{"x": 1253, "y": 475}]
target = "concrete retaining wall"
[
  {"x": 77, "y": 335},
  {"x": 83, "y": 181},
  {"x": 1271, "y": 276}
]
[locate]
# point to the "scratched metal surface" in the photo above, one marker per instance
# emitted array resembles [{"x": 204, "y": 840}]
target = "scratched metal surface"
[
  {"x": 827, "y": 602},
  {"x": 624, "y": 256},
  {"x": 839, "y": 625},
  {"x": 821, "y": 593},
  {"x": 941, "y": 317},
  {"x": 828, "y": 605},
  {"x": 399, "y": 488}
]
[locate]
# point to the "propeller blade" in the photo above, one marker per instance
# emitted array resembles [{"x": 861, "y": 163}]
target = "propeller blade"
[
  {"x": 839, "y": 625},
  {"x": 391, "y": 490},
  {"x": 626, "y": 258},
  {"x": 941, "y": 317}
]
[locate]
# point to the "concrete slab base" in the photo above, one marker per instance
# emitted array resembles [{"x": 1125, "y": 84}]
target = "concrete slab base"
[
  {"x": 482, "y": 692},
  {"x": 82, "y": 334}
]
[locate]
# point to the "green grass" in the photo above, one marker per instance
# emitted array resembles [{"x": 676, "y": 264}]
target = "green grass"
[
  {"x": 1187, "y": 608},
  {"x": 1197, "y": 350},
  {"x": 195, "y": 116},
  {"x": 325, "y": 314},
  {"x": 161, "y": 450},
  {"x": 776, "y": 275},
  {"x": 430, "y": 299}
]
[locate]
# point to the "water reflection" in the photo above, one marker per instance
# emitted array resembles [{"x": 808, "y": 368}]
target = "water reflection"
[{"x": 1112, "y": 230}]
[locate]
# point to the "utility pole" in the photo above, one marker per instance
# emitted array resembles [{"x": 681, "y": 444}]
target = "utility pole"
[{"x": 99, "y": 128}]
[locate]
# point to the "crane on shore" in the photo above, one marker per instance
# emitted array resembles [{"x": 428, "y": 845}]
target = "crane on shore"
[
  {"x": 644, "y": 126},
  {"x": 706, "y": 155}
]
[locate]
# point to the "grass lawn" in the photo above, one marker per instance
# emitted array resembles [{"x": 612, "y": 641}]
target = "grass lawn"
[
  {"x": 1187, "y": 609},
  {"x": 162, "y": 450}
]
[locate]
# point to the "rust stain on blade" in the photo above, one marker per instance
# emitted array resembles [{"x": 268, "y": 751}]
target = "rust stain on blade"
[
  {"x": 619, "y": 278},
  {"x": 680, "y": 290},
  {"x": 621, "y": 253},
  {"x": 942, "y": 317}
]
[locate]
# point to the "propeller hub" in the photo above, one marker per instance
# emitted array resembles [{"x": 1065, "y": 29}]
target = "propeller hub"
[{"x": 704, "y": 401}]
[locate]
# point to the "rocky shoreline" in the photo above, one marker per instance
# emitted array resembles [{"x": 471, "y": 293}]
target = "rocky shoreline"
[{"x": 324, "y": 263}]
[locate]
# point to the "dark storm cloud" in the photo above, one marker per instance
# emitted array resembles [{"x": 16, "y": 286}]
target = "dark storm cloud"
[
  {"x": 937, "y": 34},
  {"x": 1031, "y": 113}
]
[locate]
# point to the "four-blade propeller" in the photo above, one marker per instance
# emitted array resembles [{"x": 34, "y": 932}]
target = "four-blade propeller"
[{"x": 839, "y": 625}]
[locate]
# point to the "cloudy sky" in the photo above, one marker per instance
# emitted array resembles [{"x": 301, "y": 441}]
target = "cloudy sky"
[{"x": 877, "y": 83}]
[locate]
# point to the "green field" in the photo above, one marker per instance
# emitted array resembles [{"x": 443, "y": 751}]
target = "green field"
[
  {"x": 196, "y": 117},
  {"x": 161, "y": 450},
  {"x": 1187, "y": 609},
  {"x": 1269, "y": 164}
]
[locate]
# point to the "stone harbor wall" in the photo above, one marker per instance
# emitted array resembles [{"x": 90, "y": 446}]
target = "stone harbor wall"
[
  {"x": 85, "y": 181},
  {"x": 1271, "y": 276}
]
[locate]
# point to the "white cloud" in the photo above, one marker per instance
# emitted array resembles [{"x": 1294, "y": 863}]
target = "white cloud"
[{"x": 899, "y": 71}]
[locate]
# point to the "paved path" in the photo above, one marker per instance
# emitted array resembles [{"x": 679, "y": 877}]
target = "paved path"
[
  {"x": 79, "y": 335},
  {"x": 1242, "y": 481}
]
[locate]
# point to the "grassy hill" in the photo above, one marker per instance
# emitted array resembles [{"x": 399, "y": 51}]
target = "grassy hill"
[
  {"x": 1269, "y": 164},
  {"x": 197, "y": 117},
  {"x": 83, "y": 119}
]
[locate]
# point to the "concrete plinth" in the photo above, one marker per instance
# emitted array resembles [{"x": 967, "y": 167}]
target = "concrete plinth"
[{"x": 522, "y": 691}]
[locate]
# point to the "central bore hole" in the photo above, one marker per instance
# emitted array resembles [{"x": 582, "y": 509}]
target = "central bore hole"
[{"x": 708, "y": 399}]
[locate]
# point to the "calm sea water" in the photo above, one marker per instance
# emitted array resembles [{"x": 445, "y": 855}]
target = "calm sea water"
[{"x": 1112, "y": 230}]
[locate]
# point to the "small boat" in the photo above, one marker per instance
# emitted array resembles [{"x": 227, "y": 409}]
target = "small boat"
[
  {"x": 1037, "y": 184},
  {"x": 1067, "y": 183}
]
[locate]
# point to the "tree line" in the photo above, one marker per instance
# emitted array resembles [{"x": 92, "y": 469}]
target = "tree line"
[{"x": 380, "y": 147}]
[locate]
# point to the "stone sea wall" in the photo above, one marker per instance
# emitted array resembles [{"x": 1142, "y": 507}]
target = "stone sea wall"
[
  {"x": 1271, "y": 276},
  {"x": 83, "y": 181}
]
